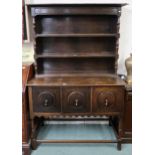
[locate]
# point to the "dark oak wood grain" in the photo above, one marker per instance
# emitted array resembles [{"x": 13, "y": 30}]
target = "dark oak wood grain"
[
  {"x": 103, "y": 80},
  {"x": 46, "y": 99},
  {"x": 77, "y": 141},
  {"x": 127, "y": 122},
  {"x": 75, "y": 65},
  {"x": 26, "y": 149},
  {"x": 76, "y": 99},
  {"x": 94, "y": 9},
  {"x": 76, "y": 53},
  {"x": 108, "y": 99},
  {"x": 75, "y": 46},
  {"x": 70, "y": 24},
  {"x": 76, "y": 35}
]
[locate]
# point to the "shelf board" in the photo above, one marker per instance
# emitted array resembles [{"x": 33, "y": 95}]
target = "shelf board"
[
  {"x": 76, "y": 55},
  {"x": 79, "y": 35},
  {"x": 74, "y": 74}
]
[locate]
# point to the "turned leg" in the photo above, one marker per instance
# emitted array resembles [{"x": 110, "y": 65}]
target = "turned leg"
[
  {"x": 119, "y": 146},
  {"x": 119, "y": 134},
  {"x": 33, "y": 134},
  {"x": 110, "y": 120},
  {"x": 41, "y": 121},
  {"x": 33, "y": 143}
]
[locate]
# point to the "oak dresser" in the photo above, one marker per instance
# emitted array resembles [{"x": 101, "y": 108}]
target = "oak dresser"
[{"x": 76, "y": 53}]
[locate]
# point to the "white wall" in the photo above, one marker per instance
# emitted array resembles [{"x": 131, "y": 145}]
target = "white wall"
[{"x": 125, "y": 42}]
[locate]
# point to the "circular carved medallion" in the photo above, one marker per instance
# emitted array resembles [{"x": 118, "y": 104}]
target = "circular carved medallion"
[
  {"x": 105, "y": 99},
  {"x": 46, "y": 99},
  {"x": 76, "y": 99}
]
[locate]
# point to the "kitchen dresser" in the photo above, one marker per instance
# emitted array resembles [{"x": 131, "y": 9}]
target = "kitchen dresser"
[{"x": 76, "y": 53}]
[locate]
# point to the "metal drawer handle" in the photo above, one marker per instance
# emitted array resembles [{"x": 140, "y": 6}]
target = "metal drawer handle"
[
  {"x": 46, "y": 103},
  {"x": 76, "y": 102},
  {"x": 106, "y": 102}
]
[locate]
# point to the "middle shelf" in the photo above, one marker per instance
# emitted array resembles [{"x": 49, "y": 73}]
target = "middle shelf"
[
  {"x": 75, "y": 65},
  {"x": 84, "y": 54},
  {"x": 75, "y": 46},
  {"x": 78, "y": 35}
]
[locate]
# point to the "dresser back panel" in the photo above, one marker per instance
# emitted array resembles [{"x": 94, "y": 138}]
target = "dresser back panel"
[
  {"x": 75, "y": 65},
  {"x": 75, "y": 45},
  {"x": 75, "y": 24}
]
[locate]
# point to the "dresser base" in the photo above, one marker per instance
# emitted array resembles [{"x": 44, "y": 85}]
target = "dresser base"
[{"x": 74, "y": 97}]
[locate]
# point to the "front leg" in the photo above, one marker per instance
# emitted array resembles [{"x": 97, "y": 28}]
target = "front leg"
[
  {"x": 42, "y": 121},
  {"x": 33, "y": 134},
  {"x": 120, "y": 131},
  {"x": 110, "y": 120}
]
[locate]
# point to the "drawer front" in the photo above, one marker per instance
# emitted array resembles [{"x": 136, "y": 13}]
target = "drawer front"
[
  {"x": 108, "y": 99},
  {"x": 76, "y": 100},
  {"x": 46, "y": 99}
]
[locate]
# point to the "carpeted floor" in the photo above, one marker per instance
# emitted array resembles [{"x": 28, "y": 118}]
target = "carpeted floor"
[{"x": 79, "y": 131}]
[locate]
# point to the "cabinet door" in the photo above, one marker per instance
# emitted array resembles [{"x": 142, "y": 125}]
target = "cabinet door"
[
  {"x": 76, "y": 99},
  {"x": 108, "y": 99},
  {"x": 46, "y": 99}
]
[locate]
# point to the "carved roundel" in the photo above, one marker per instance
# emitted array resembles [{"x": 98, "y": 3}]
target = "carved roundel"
[
  {"x": 46, "y": 99},
  {"x": 106, "y": 99},
  {"x": 76, "y": 99}
]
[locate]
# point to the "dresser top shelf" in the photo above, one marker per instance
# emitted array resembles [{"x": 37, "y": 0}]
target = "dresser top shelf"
[
  {"x": 76, "y": 9},
  {"x": 109, "y": 80},
  {"x": 79, "y": 4}
]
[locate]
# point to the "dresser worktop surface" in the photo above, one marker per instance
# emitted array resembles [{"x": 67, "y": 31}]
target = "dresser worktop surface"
[{"x": 109, "y": 80}]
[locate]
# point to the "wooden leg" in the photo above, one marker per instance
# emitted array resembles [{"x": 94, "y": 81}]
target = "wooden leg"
[
  {"x": 119, "y": 134},
  {"x": 33, "y": 134},
  {"x": 26, "y": 149},
  {"x": 119, "y": 146},
  {"x": 33, "y": 143},
  {"x": 110, "y": 120},
  {"x": 42, "y": 121}
]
